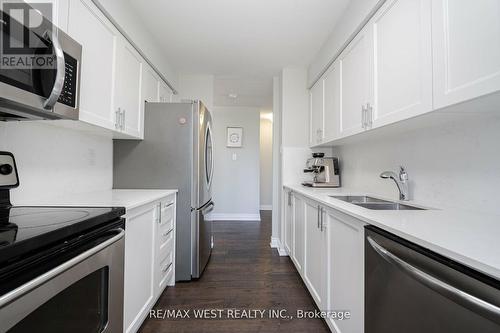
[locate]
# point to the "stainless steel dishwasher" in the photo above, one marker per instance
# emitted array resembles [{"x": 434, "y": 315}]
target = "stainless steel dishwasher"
[{"x": 411, "y": 289}]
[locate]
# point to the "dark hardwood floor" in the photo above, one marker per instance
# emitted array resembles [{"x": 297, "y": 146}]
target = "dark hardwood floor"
[{"x": 244, "y": 273}]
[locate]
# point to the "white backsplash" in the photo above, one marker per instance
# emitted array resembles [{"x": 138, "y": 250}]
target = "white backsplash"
[
  {"x": 54, "y": 161},
  {"x": 453, "y": 163}
]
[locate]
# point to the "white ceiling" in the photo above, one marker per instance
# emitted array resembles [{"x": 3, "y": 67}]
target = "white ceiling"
[
  {"x": 249, "y": 91},
  {"x": 239, "y": 38}
]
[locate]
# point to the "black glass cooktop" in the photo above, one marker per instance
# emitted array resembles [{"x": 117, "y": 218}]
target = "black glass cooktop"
[{"x": 26, "y": 229}]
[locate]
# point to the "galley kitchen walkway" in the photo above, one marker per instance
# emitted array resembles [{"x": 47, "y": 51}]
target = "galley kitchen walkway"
[{"x": 244, "y": 273}]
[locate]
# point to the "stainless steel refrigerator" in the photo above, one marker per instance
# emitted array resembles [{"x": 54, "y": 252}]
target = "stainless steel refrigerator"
[{"x": 176, "y": 153}]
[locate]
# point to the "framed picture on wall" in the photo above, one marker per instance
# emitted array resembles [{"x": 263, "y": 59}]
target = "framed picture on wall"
[{"x": 234, "y": 137}]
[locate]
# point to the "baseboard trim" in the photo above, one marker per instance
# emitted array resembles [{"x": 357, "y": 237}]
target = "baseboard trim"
[
  {"x": 234, "y": 217},
  {"x": 282, "y": 252},
  {"x": 266, "y": 207},
  {"x": 275, "y": 243}
]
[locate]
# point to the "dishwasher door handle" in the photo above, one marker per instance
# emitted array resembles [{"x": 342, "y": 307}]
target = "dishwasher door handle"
[{"x": 458, "y": 296}]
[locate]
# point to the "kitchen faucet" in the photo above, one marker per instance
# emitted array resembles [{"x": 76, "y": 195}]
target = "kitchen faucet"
[{"x": 401, "y": 181}]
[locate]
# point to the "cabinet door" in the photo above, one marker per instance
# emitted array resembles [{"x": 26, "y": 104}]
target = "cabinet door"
[
  {"x": 298, "y": 233},
  {"x": 331, "y": 83},
  {"x": 346, "y": 281},
  {"x": 128, "y": 93},
  {"x": 355, "y": 80},
  {"x": 88, "y": 26},
  {"x": 466, "y": 49},
  {"x": 316, "y": 113},
  {"x": 402, "y": 65},
  {"x": 139, "y": 265},
  {"x": 288, "y": 230},
  {"x": 315, "y": 267},
  {"x": 164, "y": 92},
  {"x": 149, "y": 86}
]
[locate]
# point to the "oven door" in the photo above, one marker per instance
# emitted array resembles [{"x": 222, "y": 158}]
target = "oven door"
[{"x": 84, "y": 294}]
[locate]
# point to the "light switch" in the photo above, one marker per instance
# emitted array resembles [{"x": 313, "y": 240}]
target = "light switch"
[{"x": 235, "y": 156}]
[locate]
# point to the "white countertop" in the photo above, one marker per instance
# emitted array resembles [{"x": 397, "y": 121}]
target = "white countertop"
[
  {"x": 470, "y": 238},
  {"x": 129, "y": 199}
]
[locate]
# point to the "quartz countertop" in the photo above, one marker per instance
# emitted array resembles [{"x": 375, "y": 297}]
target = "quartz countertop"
[
  {"x": 471, "y": 238},
  {"x": 129, "y": 199}
]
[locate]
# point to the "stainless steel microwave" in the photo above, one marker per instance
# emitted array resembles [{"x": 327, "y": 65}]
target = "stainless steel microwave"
[{"x": 40, "y": 74}]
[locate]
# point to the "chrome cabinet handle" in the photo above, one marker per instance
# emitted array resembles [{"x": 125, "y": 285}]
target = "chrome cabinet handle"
[
  {"x": 60, "y": 72},
  {"x": 117, "y": 118},
  {"x": 169, "y": 204},
  {"x": 166, "y": 268},
  {"x": 123, "y": 119},
  {"x": 319, "y": 208},
  {"x": 369, "y": 115},
  {"x": 363, "y": 116},
  {"x": 456, "y": 295},
  {"x": 35, "y": 283},
  {"x": 321, "y": 214},
  {"x": 290, "y": 198}
]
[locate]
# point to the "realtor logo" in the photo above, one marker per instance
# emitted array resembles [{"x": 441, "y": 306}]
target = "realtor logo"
[{"x": 26, "y": 35}]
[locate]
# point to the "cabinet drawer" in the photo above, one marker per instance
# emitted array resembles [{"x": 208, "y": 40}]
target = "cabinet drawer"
[
  {"x": 165, "y": 270},
  {"x": 165, "y": 242},
  {"x": 167, "y": 211}
]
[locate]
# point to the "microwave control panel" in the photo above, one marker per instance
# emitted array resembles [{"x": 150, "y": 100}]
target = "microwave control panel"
[{"x": 68, "y": 93}]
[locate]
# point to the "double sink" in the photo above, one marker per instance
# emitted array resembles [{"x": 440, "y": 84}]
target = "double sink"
[{"x": 374, "y": 203}]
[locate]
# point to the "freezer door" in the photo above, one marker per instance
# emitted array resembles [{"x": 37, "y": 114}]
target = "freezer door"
[
  {"x": 205, "y": 156},
  {"x": 204, "y": 239}
]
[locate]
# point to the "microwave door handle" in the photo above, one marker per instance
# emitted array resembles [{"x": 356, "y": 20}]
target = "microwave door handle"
[
  {"x": 458, "y": 296},
  {"x": 60, "y": 72}
]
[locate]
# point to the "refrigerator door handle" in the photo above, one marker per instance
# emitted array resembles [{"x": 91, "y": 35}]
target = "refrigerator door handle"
[{"x": 208, "y": 208}]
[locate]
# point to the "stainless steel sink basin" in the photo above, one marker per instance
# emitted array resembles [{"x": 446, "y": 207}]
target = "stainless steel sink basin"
[
  {"x": 374, "y": 203},
  {"x": 357, "y": 198},
  {"x": 387, "y": 206}
]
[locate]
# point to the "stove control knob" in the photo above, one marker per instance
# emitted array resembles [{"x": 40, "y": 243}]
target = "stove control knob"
[{"x": 5, "y": 169}]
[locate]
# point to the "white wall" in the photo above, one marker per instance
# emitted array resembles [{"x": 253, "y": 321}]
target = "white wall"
[
  {"x": 356, "y": 12},
  {"x": 236, "y": 183},
  {"x": 124, "y": 14},
  {"x": 277, "y": 167},
  {"x": 197, "y": 87},
  {"x": 54, "y": 161},
  {"x": 266, "y": 161},
  {"x": 451, "y": 162}
]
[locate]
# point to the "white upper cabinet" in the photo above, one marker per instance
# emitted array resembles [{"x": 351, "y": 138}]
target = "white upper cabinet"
[
  {"x": 89, "y": 27},
  {"x": 332, "y": 106},
  {"x": 355, "y": 78},
  {"x": 149, "y": 85},
  {"x": 402, "y": 61},
  {"x": 128, "y": 90},
  {"x": 466, "y": 46},
  {"x": 164, "y": 92},
  {"x": 316, "y": 99}
]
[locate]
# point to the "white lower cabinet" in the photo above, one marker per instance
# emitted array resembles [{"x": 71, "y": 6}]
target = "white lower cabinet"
[
  {"x": 315, "y": 264},
  {"x": 288, "y": 226},
  {"x": 346, "y": 270},
  {"x": 149, "y": 258},
  {"x": 298, "y": 232},
  {"x": 328, "y": 252}
]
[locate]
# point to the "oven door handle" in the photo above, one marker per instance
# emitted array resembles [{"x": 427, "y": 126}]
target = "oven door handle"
[
  {"x": 60, "y": 72},
  {"x": 35, "y": 283},
  {"x": 456, "y": 295}
]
